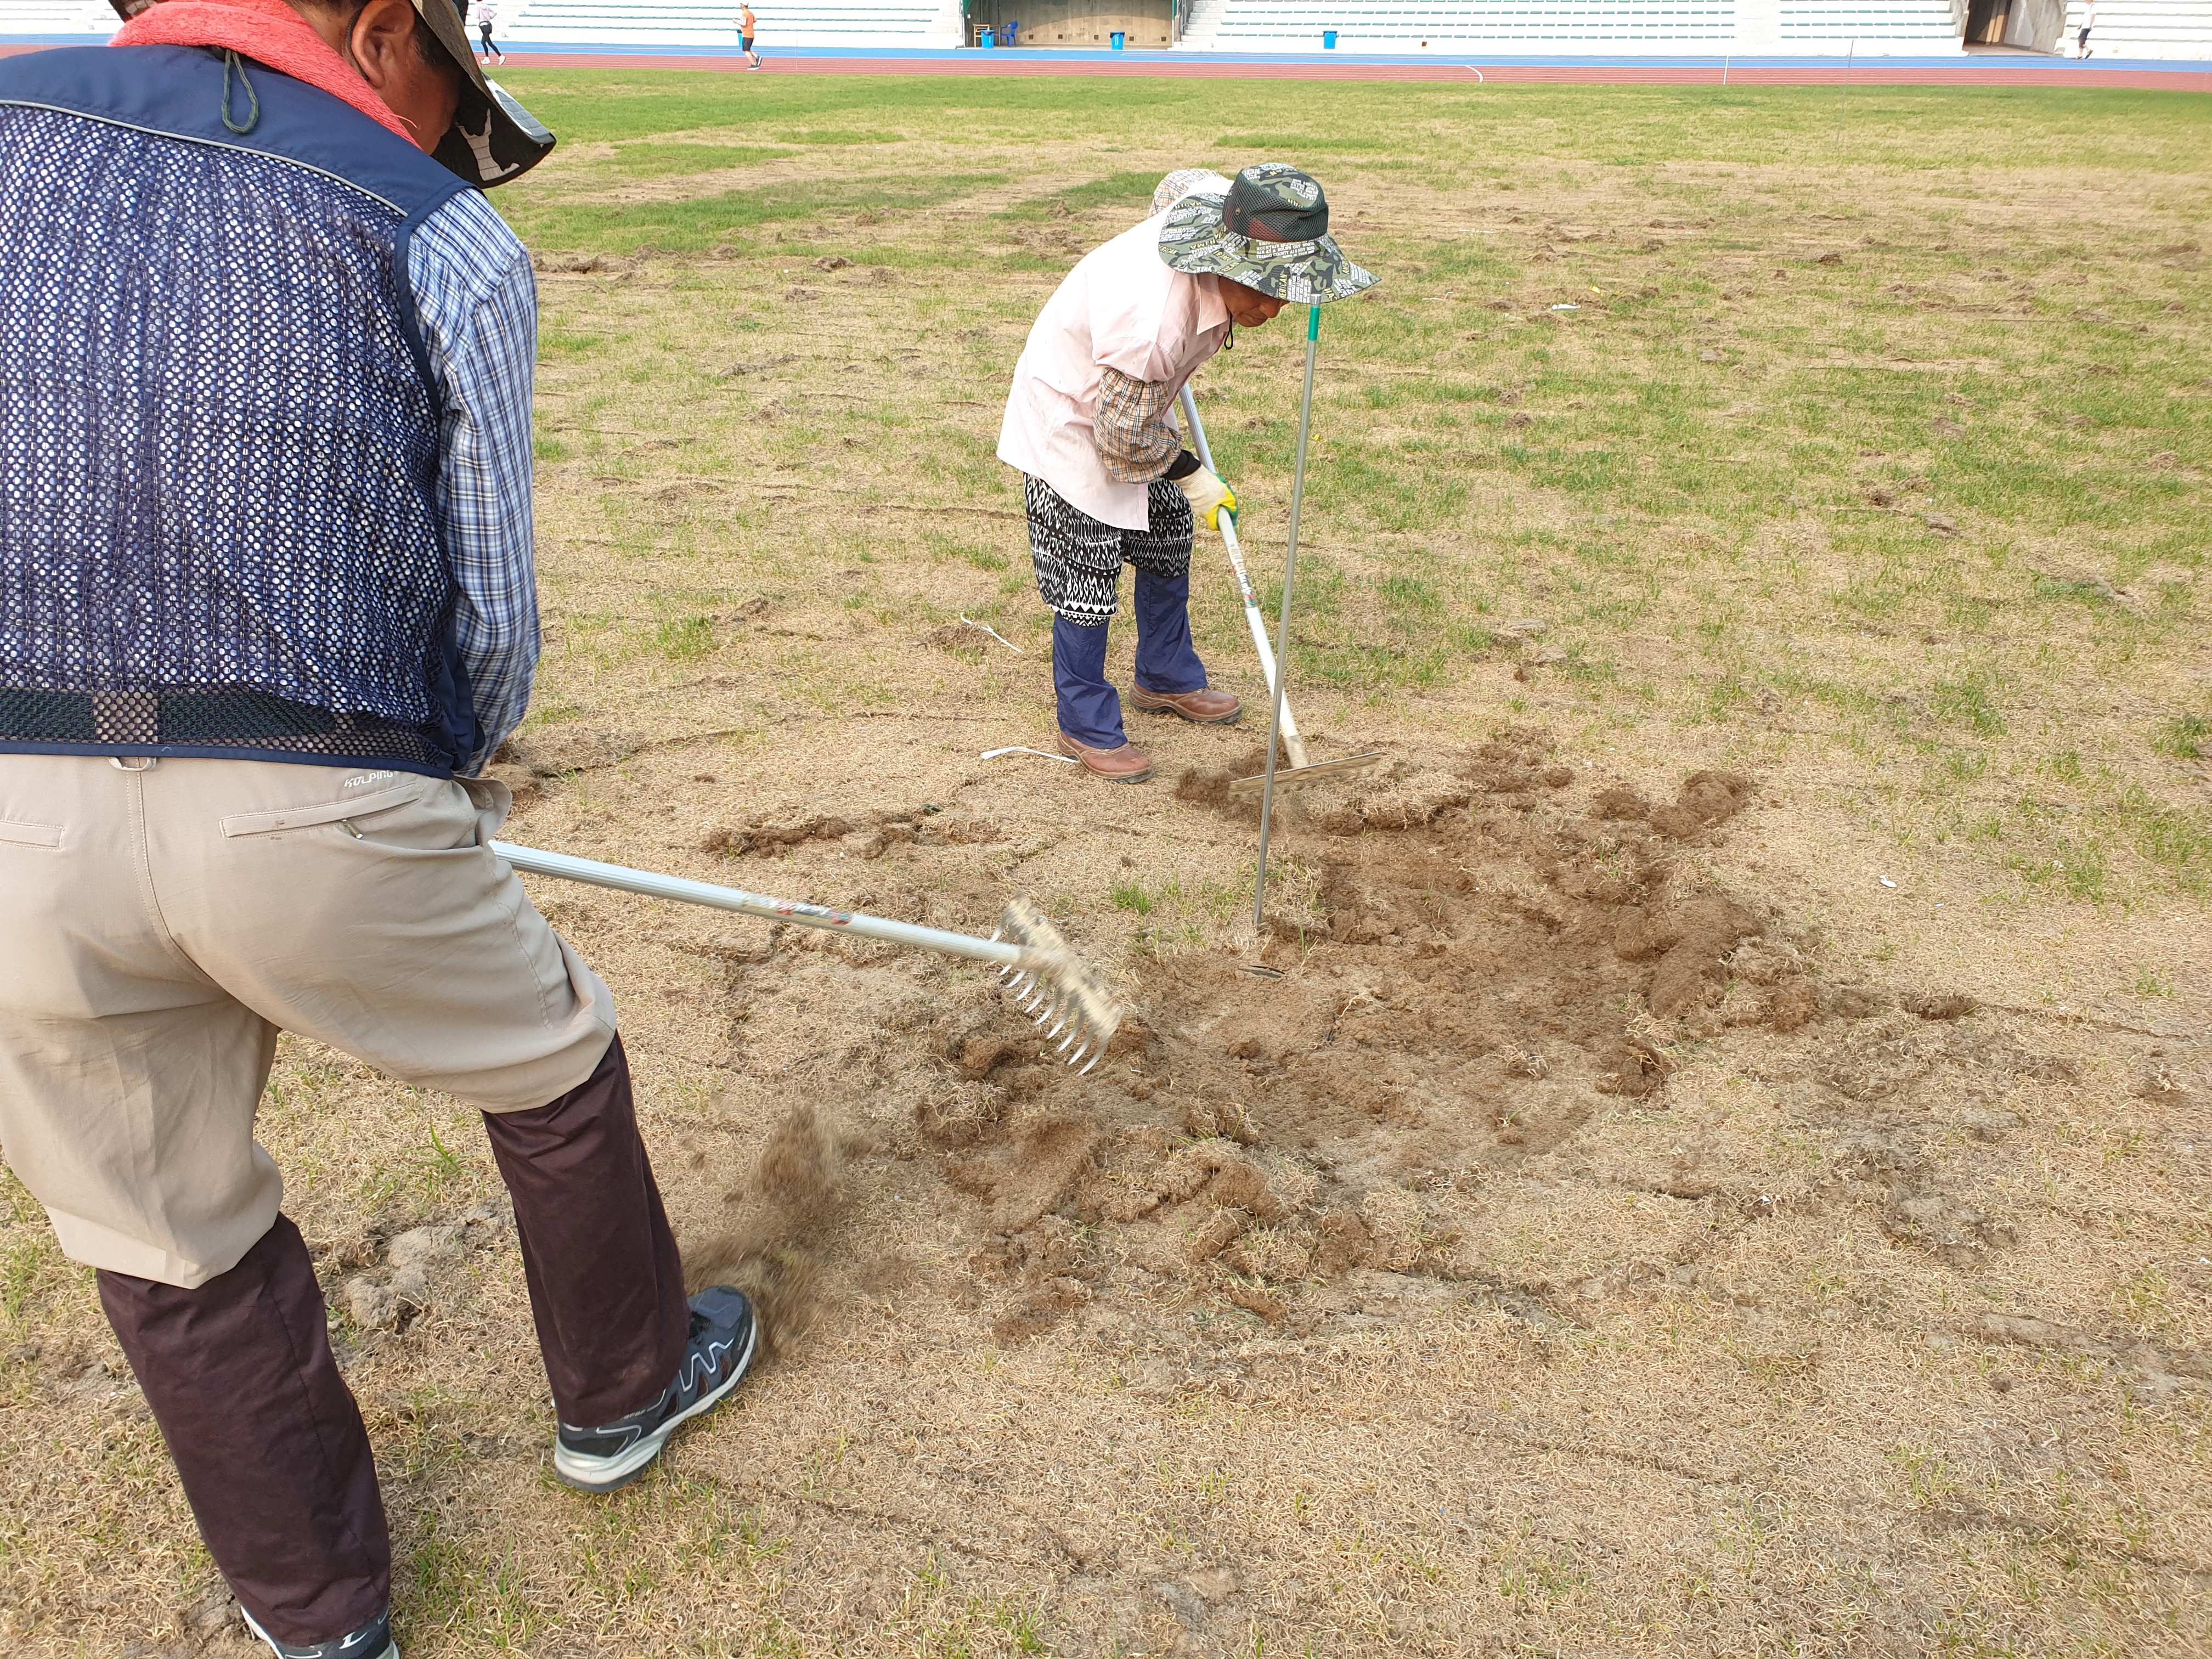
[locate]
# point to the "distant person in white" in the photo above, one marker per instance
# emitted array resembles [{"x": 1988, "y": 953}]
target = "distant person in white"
[
  {"x": 487, "y": 15},
  {"x": 2088, "y": 22}
]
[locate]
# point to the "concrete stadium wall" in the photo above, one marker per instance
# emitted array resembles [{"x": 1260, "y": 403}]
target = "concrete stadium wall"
[{"x": 2036, "y": 25}]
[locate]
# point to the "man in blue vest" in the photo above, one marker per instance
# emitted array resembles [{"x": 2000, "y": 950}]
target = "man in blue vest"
[{"x": 266, "y": 607}]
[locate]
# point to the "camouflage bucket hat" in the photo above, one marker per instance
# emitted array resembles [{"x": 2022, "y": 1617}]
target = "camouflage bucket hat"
[
  {"x": 1269, "y": 232},
  {"x": 493, "y": 139}
]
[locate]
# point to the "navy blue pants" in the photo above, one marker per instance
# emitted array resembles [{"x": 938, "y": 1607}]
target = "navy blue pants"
[{"x": 1078, "y": 560}]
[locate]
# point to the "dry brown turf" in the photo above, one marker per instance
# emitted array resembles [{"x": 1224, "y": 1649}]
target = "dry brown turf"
[{"x": 1710, "y": 1155}]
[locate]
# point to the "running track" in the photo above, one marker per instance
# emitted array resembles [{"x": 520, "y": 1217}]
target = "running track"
[{"x": 1994, "y": 70}]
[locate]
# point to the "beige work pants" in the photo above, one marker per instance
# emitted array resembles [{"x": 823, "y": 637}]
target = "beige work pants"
[{"x": 158, "y": 927}]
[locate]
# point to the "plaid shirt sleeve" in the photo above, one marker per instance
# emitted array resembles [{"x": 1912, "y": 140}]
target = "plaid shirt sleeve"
[
  {"x": 479, "y": 305},
  {"x": 1134, "y": 438}
]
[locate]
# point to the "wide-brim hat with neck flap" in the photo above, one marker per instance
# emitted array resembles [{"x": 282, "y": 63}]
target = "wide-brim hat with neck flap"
[
  {"x": 493, "y": 139},
  {"x": 1269, "y": 231}
]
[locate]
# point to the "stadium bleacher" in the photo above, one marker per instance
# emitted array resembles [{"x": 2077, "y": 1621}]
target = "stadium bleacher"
[
  {"x": 1907, "y": 26},
  {"x": 627, "y": 22},
  {"x": 65, "y": 17},
  {"x": 1821, "y": 26},
  {"x": 2144, "y": 28},
  {"x": 713, "y": 22},
  {"x": 1501, "y": 24}
]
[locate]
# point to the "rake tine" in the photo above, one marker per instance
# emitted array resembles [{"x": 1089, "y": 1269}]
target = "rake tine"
[{"x": 1073, "y": 1013}]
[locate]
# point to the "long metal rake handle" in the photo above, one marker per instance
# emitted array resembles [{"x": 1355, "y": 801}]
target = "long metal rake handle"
[
  {"x": 1283, "y": 629},
  {"x": 1293, "y": 744},
  {"x": 651, "y": 884}
]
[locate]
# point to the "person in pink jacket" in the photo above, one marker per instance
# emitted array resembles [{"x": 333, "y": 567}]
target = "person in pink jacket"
[{"x": 1106, "y": 480}]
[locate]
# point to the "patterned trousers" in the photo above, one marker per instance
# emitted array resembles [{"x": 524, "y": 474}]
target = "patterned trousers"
[
  {"x": 1078, "y": 564},
  {"x": 1079, "y": 559}
]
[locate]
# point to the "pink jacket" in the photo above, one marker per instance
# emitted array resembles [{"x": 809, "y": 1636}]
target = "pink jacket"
[{"x": 1123, "y": 308}]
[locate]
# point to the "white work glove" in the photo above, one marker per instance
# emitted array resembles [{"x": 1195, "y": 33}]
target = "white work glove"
[{"x": 1209, "y": 496}]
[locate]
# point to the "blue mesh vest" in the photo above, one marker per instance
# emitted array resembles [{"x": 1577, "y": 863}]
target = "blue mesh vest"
[{"x": 219, "y": 431}]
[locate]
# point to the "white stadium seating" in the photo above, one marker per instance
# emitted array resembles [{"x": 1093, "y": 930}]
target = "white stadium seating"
[
  {"x": 2143, "y": 29},
  {"x": 1590, "y": 25},
  {"x": 57, "y": 17},
  {"x": 1900, "y": 26},
  {"x": 617, "y": 22},
  {"x": 714, "y": 23},
  {"x": 1798, "y": 26}
]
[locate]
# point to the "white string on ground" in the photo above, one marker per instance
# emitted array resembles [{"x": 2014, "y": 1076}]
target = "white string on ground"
[
  {"x": 986, "y": 627},
  {"x": 1017, "y": 749}
]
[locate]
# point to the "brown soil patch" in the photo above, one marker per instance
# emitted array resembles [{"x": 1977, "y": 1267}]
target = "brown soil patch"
[{"x": 1484, "y": 961}]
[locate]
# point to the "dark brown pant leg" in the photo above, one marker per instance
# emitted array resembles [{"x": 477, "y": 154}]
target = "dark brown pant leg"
[
  {"x": 607, "y": 1280},
  {"x": 270, "y": 1447}
]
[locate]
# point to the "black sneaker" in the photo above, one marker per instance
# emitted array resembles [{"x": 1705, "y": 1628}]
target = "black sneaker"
[
  {"x": 371, "y": 1641},
  {"x": 723, "y": 1333}
]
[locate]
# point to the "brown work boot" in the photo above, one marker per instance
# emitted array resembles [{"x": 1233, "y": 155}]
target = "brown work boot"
[
  {"x": 1206, "y": 705},
  {"x": 1126, "y": 764}
]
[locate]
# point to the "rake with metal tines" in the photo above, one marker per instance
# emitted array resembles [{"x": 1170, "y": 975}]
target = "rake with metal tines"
[{"x": 1037, "y": 967}]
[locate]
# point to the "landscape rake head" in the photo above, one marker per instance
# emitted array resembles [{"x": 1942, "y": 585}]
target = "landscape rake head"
[
  {"x": 1053, "y": 983},
  {"x": 1036, "y": 966}
]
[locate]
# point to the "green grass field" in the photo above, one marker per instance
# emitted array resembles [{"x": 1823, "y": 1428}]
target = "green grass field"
[{"x": 1855, "y": 442}]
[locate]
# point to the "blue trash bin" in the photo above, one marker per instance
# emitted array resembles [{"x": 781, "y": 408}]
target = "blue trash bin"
[
  {"x": 1117, "y": 38},
  {"x": 1329, "y": 39},
  {"x": 988, "y": 38}
]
